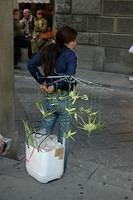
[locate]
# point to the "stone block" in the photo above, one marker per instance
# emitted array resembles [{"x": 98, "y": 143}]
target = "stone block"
[
  {"x": 116, "y": 40},
  {"x": 78, "y": 22},
  {"x": 119, "y": 68},
  {"x": 90, "y": 57},
  {"x": 62, "y": 6},
  {"x": 88, "y": 38},
  {"x": 118, "y": 60},
  {"x": 86, "y": 6},
  {"x": 125, "y": 25},
  {"x": 83, "y": 38},
  {"x": 118, "y": 7},
  {"x": 100, "y": 24},
  {"x": 118, "y": 55}
]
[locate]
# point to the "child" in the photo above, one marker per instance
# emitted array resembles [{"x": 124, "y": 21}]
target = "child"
[
  {"x": 56, "y": 58},
  {"x": 40, "y": 27}
]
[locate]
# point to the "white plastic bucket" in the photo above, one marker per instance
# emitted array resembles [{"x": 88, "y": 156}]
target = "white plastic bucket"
[{"x": 45, "y": 166}]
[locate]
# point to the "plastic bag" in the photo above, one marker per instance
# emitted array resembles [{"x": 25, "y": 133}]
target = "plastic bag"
[
  {"x": 41, "y": 140},
  {"x": 45, "y": 142}
]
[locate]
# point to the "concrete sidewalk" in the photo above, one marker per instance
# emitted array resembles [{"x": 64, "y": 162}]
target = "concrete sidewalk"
[
  {"x": 87, "y": 177},
  {"x": 104, "y": 79}
]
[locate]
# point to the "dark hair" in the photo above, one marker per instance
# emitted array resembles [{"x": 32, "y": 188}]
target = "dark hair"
[
  {"x": 51, "y": 51},
  {"x": 15, "y": 10},
  {"x": 40, "y": 12},
  {"x": 65, "y": 34}
]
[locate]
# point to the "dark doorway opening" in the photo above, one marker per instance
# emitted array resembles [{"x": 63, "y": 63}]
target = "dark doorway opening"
[{"x": 48, "y": 9}]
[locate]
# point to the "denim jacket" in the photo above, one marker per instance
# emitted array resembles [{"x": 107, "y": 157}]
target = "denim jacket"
[{"x": 66, "y": 64}]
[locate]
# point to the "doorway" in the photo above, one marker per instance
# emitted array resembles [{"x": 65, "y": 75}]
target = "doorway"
[{"x": 48, "y": 9}]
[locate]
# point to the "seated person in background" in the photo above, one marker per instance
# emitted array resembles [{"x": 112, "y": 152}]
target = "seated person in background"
[
  {"x": 27, "y": 25},
  {"x": 40, "y": 27},
  {"x": 19, "y": 38}
]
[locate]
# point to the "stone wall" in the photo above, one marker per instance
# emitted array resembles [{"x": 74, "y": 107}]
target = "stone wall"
[{"x": 105, "y": 30}]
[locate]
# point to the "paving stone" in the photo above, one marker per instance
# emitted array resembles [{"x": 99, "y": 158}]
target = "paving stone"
[{"x": 113, "y": 177}]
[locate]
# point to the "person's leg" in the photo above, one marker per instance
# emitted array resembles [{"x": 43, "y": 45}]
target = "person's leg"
[
  {"x": 58, "y": 109},
  {"x": 48, "y": 122},
  {"x": 19, "y": 42},
  {"x": 65, "y": 124},
  {"x": 23, "y": 42},
  {"x": 29, "y": 49},
  {"x": 17, "y": 53},
  {"x": 33, "y": 46}
]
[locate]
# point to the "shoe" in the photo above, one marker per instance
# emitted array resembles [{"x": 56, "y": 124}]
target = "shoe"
[{"x": 131, "y": 78}]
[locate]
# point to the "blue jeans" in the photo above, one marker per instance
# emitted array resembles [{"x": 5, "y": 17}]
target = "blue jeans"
[{"x": 56, "y": 104}]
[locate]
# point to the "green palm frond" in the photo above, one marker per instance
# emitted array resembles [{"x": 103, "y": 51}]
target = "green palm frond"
[
  {"x": 91, "y": 125},
  {"x": 85, "y": 118},
  {"x": 74, "y": 95},
  {"x": 70, "y": 110},
  {"x": 81, "y": 109},
  {"x": 84, "y": 97},
  {"x": 45, "y": 113},
  {"x": 69, "y": 134},
  {"x": 29, "y": 131}
]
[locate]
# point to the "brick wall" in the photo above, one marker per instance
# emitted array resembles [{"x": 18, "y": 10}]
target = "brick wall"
[{"x": 105, "y": 29}]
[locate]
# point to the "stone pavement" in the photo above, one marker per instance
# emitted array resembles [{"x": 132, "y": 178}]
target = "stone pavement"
[{"x": 99, "y": 167}]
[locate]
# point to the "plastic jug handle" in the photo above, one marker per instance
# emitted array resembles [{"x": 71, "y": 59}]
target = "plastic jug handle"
[
  {"x": 34, "y": 133},
  {"x": 28, "y": 159},
  {"x": 42, "y": 142}
]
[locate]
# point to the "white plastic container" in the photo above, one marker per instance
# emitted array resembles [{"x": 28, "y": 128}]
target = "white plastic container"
[{"x": 45, "y": 166}]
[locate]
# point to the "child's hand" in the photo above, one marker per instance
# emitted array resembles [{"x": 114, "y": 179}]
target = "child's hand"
[
  {"x": 50, "y": 89},
  {"x": 43, "y": 88}
]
